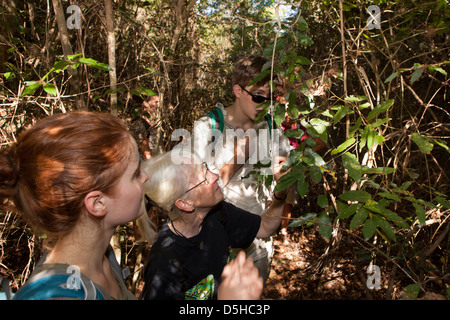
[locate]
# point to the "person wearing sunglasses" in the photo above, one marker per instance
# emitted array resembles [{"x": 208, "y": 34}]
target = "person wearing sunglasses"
[
  {"x": 194, "y": 245},
  {"x": 226, "y": 158}
]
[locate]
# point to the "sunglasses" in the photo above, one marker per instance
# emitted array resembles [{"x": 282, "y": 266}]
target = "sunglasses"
[{"x": 256, "y": 97}]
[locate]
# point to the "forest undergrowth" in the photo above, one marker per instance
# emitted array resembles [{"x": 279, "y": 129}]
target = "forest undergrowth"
[{"x": 373, "y": 218}]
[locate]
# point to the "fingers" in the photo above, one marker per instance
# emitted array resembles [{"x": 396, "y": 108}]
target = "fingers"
[{"x": 240, "y": 280}]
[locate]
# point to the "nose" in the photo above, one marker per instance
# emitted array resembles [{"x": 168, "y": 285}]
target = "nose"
[{"x": 212, "y": 177}]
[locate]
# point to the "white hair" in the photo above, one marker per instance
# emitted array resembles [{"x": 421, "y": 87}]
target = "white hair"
[{"x": 166, "y": 180}]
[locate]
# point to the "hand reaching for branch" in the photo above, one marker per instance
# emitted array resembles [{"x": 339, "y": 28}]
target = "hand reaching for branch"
[
  {"x": 240, "y": 280},
  {"x": 278, "y": 163}
]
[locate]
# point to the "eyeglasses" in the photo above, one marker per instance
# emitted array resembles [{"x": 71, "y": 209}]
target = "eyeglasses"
[
  {"x": 205, "y": 172},
  {"x": 256, "y": 97}
]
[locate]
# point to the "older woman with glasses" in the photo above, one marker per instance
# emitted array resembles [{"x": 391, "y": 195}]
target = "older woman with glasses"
[{"x": 194, "y": 244}]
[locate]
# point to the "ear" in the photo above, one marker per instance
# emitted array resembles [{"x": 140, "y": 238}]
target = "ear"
[
  {"x": 237, "y": 90},
  {"x": 184, "y": 205},
  {"x": 95, "y": 203}
]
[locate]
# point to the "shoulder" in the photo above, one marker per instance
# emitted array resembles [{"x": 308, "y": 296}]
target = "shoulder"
[
  {"x": 164, "y": 249},
  {"x": 228, "y": 213},
  {"x": 241, "y": 225},
  {"x": 58, "y": 282}
]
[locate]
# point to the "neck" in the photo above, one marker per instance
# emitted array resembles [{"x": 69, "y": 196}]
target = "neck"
[
  {"x": 237, "y": 118},
  {"x": 188, "y": 225},
  {"x": 85, "y": 247}
]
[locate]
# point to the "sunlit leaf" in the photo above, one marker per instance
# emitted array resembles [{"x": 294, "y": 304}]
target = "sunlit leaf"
[
  {"x": 50, "y": 88},
  {"x": 352, "y": 165},
  {"x": 31, "y": 87},
  {"x": 424, "y": 144}
]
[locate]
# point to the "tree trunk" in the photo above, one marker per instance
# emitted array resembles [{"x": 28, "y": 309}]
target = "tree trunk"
[
  {"x": 111, "y": 54},
  {"x": 67, "y": 50}
]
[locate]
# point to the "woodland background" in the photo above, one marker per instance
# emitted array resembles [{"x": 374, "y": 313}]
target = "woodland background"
[{"x": 377, "y": 196}]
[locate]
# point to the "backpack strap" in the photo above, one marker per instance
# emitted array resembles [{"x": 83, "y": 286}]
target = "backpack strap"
[
  {"x": 4, "y": 284},
  {"x": 54, "y": 284},
  {"x": 125, "y": 272},
  {"x": 270, "y": 123},
  {"x": 216, "y": 116},
  {"x": 60, "y": 284}
]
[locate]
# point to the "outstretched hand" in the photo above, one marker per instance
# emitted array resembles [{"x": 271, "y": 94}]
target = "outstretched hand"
[
  {"x": 278, "y": 164},
  {"x": 240, "y": 280}
]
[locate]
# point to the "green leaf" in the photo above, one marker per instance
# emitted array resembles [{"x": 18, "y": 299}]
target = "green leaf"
[
  {"x": 294, "y": 133},
  {"x": 371, "y": 139},
  {"x": 315, "y": 173},
  {"x": 286, "y": 181},
  {"x": 348, "y": 210},
  {"x": 260, "y": 76},
  {"x": 310, "y": 142},
  {"x": 442, "y": 143},
  {"x": 354, "y": 128},
  {"x": 390, "y": 196},
  {"x": 300, "y": 222},
  {"x": 391, "y": 77},
  {"x": 424, "y": 144},
  {"x": 325, "y": 228},
  {"x": 31, "y": 87},
  {"x": 411, "y": 291},
  {"x": 382, "y": 107},
  {"x": 420, "y": 212},
  {"x": 302, "y": 186},
  {"x": 279, "y": 114},
  {"x": 50, "y": 88},
  {"x": 322, "y": 201},
  {"x": 95, "y": 64},
  {"x": 355, "y": 195},
  {"x": 260, "y": 114},
  {"x": 439, "y": 69},
  {"x": 342, "y": 112},
  {"x": 73, "y": 56},
  {"x": 304, "y": 39},
  {"x": 269, "y": 50},
  {"x": 7, "y": 75},
  {"x": 416, "y": 75},
  {"x": 352, "y": 165},
  {"x": 358, "y": 218},
  {"x": 146, "y": 92},
  {"x": 292, "y": 109},
  {"x": 384, "y": 225},
  {"x": 355, "y": 99},
  {"x": 303, "y": 60},
  {"x": 369, "y": 229},
  {"x": 379, "y": 170},
  {"x": 380, "y": 122},
  {"x": 312, "y": 158},
  {"x": 319, "y": 125},
  {"x": 344, "y": 146},
  {"x": 443, "y": 202},
  {"x": 392, "y": 216}
]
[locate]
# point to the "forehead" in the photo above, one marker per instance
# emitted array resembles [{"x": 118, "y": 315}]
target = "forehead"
[{"x": 263, "y": 88}]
